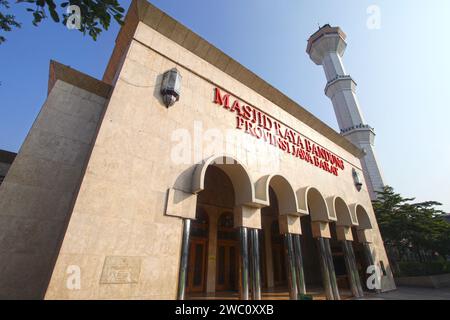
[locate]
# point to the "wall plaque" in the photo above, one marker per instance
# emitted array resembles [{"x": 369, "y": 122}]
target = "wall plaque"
[{"x": 121, "y": 270}]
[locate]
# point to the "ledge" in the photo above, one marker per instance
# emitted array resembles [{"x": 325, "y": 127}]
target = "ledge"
[
  {"x": 78, "y": 79},
  {"x": 324, "y": 30},
  {"x": 7, "y": 156}
]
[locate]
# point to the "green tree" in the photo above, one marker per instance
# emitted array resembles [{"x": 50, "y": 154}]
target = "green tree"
[
  {"x": 414, "y": 227},
  {"x": 95, "y": 15}
]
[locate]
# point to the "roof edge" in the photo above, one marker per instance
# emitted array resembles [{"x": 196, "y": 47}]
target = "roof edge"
[
  {"x": 7, "y": 156},
  {"x": 59, "y": 71}
]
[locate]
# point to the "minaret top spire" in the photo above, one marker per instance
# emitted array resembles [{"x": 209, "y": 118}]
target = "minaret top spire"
[{"x": 327, "y": 38}]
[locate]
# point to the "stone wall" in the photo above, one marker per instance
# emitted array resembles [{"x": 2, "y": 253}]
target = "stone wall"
[{"x": 37, "y": 195}]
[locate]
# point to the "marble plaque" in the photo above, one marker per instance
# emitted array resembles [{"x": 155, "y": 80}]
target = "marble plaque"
[{"x": 121, "y": 270}]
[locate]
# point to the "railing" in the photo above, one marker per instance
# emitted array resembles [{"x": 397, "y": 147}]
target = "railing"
[
  {"x": 358, "y": 126},
  {"x": 338, "y": 77}
]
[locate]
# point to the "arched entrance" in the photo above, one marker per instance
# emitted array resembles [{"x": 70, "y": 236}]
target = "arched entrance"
[
  {"x": 341, "y": 268},
  {"x": 218, "y": 241},
  {"x": 311, "y": 262},
  {"x": 282, "y": 254},
  {"x": 341, "y": 242},
  {"x": 273, "y": 261},
  {"x": 221, "y": 183},
  {"x": 320, "y": 219}
]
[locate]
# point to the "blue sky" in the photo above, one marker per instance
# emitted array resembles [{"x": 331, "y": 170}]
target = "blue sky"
[{"x": 401, "y": 70}]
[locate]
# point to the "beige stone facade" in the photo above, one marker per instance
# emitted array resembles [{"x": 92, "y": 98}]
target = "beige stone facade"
[{"x": 107, "y": 173}]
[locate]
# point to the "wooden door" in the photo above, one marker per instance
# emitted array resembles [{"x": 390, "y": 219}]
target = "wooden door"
[
  {"x": 227, "y": 266},
  {"x": 197, "y": 265}
]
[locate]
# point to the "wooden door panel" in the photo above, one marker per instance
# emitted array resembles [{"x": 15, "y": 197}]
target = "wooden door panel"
[
  {"x": 197, "y": 266},
  {"x": 221, "y": 268},
  {"x": 227, "y": 266}
]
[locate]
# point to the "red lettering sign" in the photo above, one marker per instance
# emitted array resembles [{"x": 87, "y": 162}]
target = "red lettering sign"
[{"x": 262, "y": 126}]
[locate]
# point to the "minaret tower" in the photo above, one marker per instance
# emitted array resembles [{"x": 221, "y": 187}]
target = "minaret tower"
[{"x": 326, "y": 48}]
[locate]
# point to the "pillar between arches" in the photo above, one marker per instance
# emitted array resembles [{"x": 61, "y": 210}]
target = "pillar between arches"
[
  {"x": 247, "y": 217},
  {"x": 181, "y": 204},
  {"x": 365, "y": 236},
  {"x": 289, "y": 224},
  {"x": 344, "y": 233},
  {"x": 320, "y": 229},
  {"x": 321, "y": 232}
]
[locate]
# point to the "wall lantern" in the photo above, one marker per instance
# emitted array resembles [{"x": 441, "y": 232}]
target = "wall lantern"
[
  {"x": 171, "y": 87},
  {"x": 357, "y": 179}
]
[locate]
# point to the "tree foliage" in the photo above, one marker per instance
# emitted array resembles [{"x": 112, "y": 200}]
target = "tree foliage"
[
  {"x": 412, "y": 226},
  {"x": 7, "y": 21},
  {"x": 96, "y": 15}
]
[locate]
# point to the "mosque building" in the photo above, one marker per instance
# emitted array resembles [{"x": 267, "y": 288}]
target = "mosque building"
[{"x": 181, "y": 174}]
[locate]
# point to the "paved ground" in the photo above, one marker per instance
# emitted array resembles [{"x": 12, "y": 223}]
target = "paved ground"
[
  {"x": 274, "y": 294},
  {"x": 402, "y": 293},
  {"x": 413, "y": 293}
]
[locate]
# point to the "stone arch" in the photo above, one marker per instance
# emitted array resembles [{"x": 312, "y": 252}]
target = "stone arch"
[
  {"x": 312, "y": 200},
  {"x": 235, "y": 170},
  {"x": 364, "y": 226},
  {"x": 362, "y": 217},
  {"x": 341, "y": 211},
  {"x": 286, "y": 196}
]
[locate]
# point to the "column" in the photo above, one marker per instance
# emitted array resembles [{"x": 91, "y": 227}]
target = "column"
[
  {"x": 243, "y": 290},
  {"x": 299, "y": 265},
  {"x": 321, "y": 231},
  {"x": 344, "y": 235},
  {"x": 357, "y": 275},
  {"x": 182, "y": 275},
  {"x": 324, "y": 269},
  {"x": 246, "y": 218},
  {"x": 290, "y": 264},
  {"x": 334, "y": 285},
  {"x": 350, "y": 260},
  {"x": 255, "y": 265}
]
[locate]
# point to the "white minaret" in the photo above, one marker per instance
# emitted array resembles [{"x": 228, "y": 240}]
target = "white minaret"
[{"x": 326, "y": 47}]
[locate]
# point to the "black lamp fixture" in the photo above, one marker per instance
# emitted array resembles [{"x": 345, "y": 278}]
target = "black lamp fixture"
[
  {"x": 357, "y": 179},
  {"x": 171, "y": 87}
]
